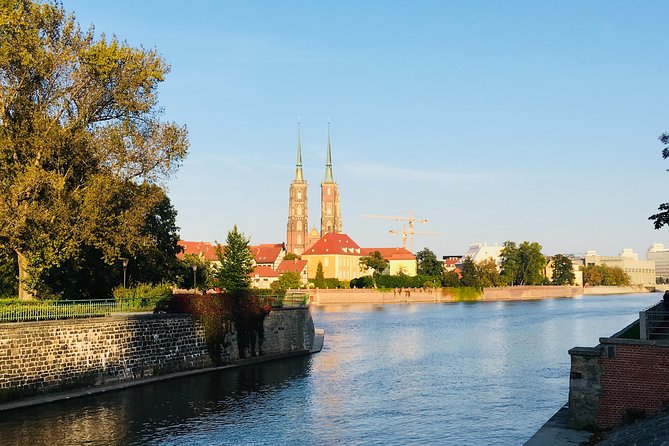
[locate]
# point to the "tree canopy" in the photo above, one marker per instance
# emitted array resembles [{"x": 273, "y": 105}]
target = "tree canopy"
[
  {"x": 319, "y": 280},
  {"x": 522, "y": 265},
  {"x": 375, "y": 262},
  {"x": 563, "y": 270},
  {"x": 82, "y": 143},
  {"x": 428, "y": 264},
  {"x": 598, "y": 275},
  {"x": 662, "y": 218},
  {"x": 236, "y": 261}
]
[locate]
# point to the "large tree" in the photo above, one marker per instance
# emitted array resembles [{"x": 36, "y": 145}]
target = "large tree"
[
  {"x": 236, "y": 261},
  {"x": 563, "y": 270},
  {"x": 80, "y": 138},
  {"x": 522, "y": 265},
  {"x": 375, "y": 262},
  {"x": 662, "y": 218},
  {"x": 428, "y": 264}
]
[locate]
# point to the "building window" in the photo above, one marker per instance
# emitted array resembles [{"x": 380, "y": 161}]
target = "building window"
[{"x": 299, "y": 194}]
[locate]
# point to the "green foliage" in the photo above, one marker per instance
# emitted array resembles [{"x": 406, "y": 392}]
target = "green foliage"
[
  {"x": 219, "y": 313},
  {"x": 362, "y": 282},
  {"x": 331, "y": 282},
  {"x": 563, "y": 270},
  {"x": 236, "y": 262},
  {"x": 143, "y": 296},
  {"x": 451, "y": 279},
  {"x": 428, "y": 264},
  {"x": 463, "y": 294},
  {"x": 374, "y": 261},
  {"x": 291, "y": 256},
  {"x": 522, "y": 265},
  {"x": 604, "y": 275},
  {"x": 488, "y": 274},
  {"x": 470, "y": 274},
  {"x": 662, "y": 218},
  {"x": 205, "y": 274},
  {"x": 82, "y": 146},
  {"x": 319, "y": 281},
  {"x": 9, "y": 274},
  {"x": 289, "y": 281},
  {"x": 88, "y": 276}
]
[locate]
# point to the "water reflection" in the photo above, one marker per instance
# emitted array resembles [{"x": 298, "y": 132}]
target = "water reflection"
[{"x": 451, "y": 373}]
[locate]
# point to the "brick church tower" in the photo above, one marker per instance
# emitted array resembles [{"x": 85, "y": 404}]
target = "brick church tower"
[
  {"x": 330, "y": 211},
  {"x": 298, "y": 228}
]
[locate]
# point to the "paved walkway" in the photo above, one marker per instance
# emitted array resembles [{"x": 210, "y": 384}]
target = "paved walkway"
[
  {"x": 653, "y": 431},
  {"x": 556, "y": 433}
]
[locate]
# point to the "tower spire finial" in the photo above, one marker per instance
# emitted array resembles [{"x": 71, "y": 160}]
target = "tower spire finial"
[
  {"x": 328, "y": 161},
  {"x": 298, "y": 166}
]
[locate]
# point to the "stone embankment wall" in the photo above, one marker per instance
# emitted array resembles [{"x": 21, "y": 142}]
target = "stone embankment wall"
[
  {"x": 400, "y": 295},
  {"x": 614, "y": 290},
  {"x": 530, "y": 292},
  {"x": 617, "y": 382},
  {"x": 40, "y": 357}
]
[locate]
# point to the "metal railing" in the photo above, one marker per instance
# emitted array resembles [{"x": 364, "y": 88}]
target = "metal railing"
[
  {"x": 654, "y": 322},
  {"x": 296, "y": 299},
  {"x": 67, "y": 309}
]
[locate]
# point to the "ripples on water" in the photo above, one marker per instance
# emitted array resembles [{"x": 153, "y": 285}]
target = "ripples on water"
[{"x": 474, "y": 374}]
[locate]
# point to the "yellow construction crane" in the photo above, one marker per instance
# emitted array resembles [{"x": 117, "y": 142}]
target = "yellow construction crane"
[
  {"x": 411, "y": 221},
  {"x": 409, "y": 234}
]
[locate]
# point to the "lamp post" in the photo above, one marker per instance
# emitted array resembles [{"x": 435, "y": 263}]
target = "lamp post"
[
  {"x": 195, "y": 277},
  {"x": 125, "y": 268}
]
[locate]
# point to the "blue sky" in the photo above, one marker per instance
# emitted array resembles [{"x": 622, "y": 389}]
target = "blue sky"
[{"x": 515, "y": 120}]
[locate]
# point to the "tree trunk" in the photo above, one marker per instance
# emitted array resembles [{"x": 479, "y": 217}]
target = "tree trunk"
[{"x": 24, "y": 293}]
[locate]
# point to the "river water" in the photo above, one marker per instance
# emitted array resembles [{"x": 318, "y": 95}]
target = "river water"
[{"x": 433, "y": 374}]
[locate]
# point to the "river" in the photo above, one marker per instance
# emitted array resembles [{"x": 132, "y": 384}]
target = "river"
[{"x": 433, "y": 374}]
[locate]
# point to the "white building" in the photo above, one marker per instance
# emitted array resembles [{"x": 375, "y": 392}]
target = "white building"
[
  {"x": 641, "y": 272},
  {"x": 660, "y": 255},
  {"x": 479, "y": 252}
]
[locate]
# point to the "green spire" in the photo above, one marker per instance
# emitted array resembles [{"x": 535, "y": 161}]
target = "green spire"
[
  {"x": 298, "y": 170},
  {"x": 328, "y": 161}
]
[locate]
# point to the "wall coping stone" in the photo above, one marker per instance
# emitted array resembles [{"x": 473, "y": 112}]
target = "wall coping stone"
[{"x": 585, "y": 351}]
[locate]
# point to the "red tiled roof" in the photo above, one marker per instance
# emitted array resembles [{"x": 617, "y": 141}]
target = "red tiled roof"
[
  {"x": 295, "y": 266},
  {"x": 390, "y": 253},
  {"x": 332, "y": 243},
  {"x": 267, "y": 253},
  {"x": 264, "y": 271},
  {"x": 205, "y": 249},
  {"x": 451, "y": 261}
]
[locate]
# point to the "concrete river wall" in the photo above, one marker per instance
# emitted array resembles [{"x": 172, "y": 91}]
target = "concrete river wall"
[{"x": 48, "y": 356}]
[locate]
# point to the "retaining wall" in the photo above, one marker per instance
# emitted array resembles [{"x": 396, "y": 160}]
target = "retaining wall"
[
  {"x": 617, "y": 382},
  {"x": 47, "y": 356},
  {"x": 399, "y": 295}
]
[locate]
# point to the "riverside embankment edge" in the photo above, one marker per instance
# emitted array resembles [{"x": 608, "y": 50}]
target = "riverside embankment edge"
[
  {"x": 431, "y": 295},
  {"x": 48, "y": 361}
]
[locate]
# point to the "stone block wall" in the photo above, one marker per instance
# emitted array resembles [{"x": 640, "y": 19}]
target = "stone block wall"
[
  {"x": 47, "y": 356},
  {"x": 41, "y": 356},
  {"x": 288, "y": 330},
  {"x": 584, "y": 387}
]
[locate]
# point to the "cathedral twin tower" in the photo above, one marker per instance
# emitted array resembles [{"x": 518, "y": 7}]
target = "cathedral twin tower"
[{"x": 298, "y": 236}]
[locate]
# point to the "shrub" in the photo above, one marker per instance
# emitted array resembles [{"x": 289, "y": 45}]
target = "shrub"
[
  {"x": 143, "y": 296},
  {"x": 219, "y": 313}
]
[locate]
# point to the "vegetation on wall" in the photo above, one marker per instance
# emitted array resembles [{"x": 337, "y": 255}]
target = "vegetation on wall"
[{"x": 220, "y": 314}]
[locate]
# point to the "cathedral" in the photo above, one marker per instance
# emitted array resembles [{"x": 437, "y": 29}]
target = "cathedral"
[{"x": 298, "y": 235}]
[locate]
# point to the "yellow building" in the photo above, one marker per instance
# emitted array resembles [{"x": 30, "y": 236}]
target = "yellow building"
[
  {"x": 339, "y": 255},
  {"x": 399, "y": 260}
]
